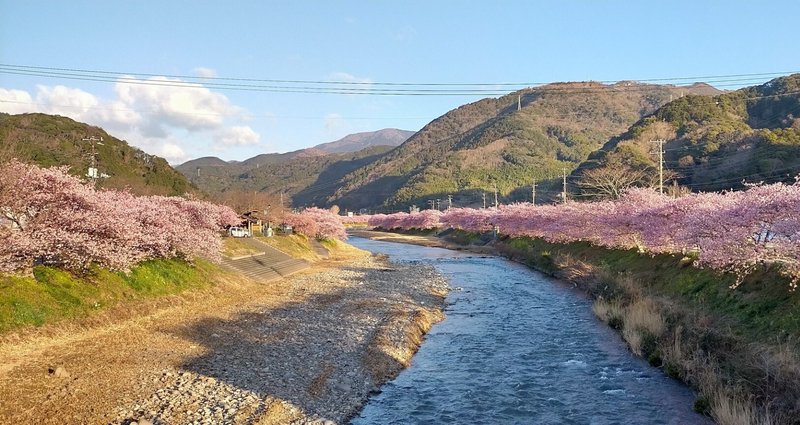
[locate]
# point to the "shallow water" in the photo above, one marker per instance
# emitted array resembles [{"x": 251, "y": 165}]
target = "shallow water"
[{"x": 519, "y": 347}]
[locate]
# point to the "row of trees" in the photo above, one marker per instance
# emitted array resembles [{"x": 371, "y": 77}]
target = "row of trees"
[
  {"x": 50, "y": 217},
  {"x": 729, "y": 231},
  {"x": 316, "y": 223}
]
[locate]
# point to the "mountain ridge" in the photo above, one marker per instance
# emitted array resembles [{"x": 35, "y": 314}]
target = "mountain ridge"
[{"x": 711, "y": 143}]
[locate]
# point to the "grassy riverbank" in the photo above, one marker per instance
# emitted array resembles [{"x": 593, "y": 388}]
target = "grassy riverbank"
[
  {"x": 737, "y": 347},
  {"x": 50, "y": 295}
]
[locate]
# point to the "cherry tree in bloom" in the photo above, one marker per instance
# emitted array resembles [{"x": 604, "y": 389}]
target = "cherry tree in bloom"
[
  {"x": 729, "y": 231},
  {"x": 317, "y": 223},
  {"x": 427, "y": 219},
  {"x": 54, "y": 218}
]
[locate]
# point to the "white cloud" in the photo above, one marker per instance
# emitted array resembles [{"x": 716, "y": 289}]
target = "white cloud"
[
  {"x": 203, "y": 72},
  {"x": 58, "y": 98},
  {"x": 238, "y": 136},
  {"x": 172, "y": 153},
  {"x": 16, "y": 101},
  {"x": 168, "y": 119},
  {"x": 85, "y": 107},
  {"x": 170, "y": 102},
  {"x": 333, "y": 123}
]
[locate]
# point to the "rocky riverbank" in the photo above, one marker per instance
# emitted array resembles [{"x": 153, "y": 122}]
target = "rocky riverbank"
[{"x": 309, "y": 349}]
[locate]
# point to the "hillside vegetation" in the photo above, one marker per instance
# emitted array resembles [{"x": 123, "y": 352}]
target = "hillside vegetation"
[
  {"x": 713, "y": 143},
  {"x": 306, "y": 178},
  {"x": 50, "y": 140},
  {"x": 492, "y": 142}
]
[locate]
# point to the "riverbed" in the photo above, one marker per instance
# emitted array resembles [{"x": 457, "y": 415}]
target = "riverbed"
[{"x": 519, "y": 347}]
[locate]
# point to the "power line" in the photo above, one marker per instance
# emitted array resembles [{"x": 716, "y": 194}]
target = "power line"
[
  {"x": 341, "y": 87},
  {"x": 378, "y": 83}
]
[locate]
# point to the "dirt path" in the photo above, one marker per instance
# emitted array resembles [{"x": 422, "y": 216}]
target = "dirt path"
[{"x": 308, "y": 349}]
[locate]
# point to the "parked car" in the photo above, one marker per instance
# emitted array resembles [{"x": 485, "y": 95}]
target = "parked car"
[{"x": 238, "y": 232}]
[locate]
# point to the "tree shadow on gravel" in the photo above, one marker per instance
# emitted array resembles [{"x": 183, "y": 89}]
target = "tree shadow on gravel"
[{"x": 309, "y": 353}]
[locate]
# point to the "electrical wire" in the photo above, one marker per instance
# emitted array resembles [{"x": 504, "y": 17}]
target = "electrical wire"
[
  {"x": 322, "y": 82},
  {"x": 347, "y": 87}
]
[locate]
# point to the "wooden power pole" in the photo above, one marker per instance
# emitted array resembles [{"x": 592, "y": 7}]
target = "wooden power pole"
[{"x": 660, "y": 165}]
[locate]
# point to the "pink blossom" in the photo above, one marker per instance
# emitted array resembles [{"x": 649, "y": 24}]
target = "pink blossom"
[{"x": 54, "y": 218}]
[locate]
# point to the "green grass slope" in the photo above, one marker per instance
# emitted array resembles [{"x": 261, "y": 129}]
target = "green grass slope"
[{"x": 52, "y": 295}]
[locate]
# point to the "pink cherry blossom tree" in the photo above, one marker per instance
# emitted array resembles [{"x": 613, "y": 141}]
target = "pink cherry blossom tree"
[{"x": 53, "y": 218}]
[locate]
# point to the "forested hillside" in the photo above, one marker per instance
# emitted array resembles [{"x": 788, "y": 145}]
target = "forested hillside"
[
  {"x": 48, "y": 140},
  {"x": 507, "y": 143},
  {"x": 710, "y": 143},
  {"x": 306, "y": 178}
]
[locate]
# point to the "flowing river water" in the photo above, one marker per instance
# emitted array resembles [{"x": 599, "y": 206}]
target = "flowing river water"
[{"x": 518, "y": 347}]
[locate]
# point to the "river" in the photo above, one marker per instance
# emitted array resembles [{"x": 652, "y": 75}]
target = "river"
[{"x": 518, "y": 347}]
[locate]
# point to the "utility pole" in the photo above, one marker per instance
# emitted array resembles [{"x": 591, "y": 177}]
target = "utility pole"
[
  {"x": 660, "y": 165},
  {"x": 495, "y": 195},
  {"x": 92, "y": 174},
  {"x": 449, "y": 201},
  {"x": 533, "y": 192},
  {"x": 484, "y": 200},
  {"x": 564, "y": 191}
]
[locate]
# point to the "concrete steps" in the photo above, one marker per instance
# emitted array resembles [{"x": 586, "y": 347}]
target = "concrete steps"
[
  {"x": 270, "y": 264},
  {"x": 285, "y": 268},
  {"x": 319, "y": 249}
]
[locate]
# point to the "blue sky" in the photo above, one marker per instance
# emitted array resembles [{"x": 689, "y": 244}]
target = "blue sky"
[{"x": 357, "y": 41}]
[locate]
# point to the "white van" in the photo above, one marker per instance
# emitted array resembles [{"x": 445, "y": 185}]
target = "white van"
[{"x": 238, "y": 232}]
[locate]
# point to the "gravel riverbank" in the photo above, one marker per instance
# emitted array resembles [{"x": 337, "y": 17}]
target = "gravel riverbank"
[{"x": 308, "y": 349}]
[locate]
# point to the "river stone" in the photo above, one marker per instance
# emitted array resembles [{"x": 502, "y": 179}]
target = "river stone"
[{"x": 60, "y": 372}]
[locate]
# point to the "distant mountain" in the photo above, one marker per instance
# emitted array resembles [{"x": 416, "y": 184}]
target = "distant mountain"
[
  {"x": 507, "y": 143},
  {"x": 711, "y": 142},
  {"x": 305, "y": 177},
  {"x": 206, "y": 161},
  {"x": 49, "y": 140},
  {"x": 358, "y": 141},
  {"x": 295, "y": 173}
]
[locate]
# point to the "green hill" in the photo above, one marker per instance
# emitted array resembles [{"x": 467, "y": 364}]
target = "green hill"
[
  {"x": 711, "y": 142},
  {"x": 306, "y": 176},
  {"x": 49, "y": 140},
  {"x": 508, "y": 142}
]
